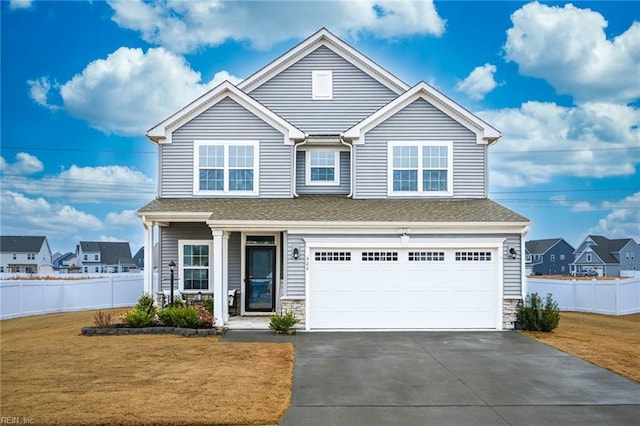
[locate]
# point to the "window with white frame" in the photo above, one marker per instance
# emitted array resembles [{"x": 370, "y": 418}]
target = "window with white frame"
[
  {"x": 588, "y": 257},
  {"x": 562, "y": 257},
  {"x": 552, "y": 257},
  {"x": 322, "y": 85},
  {"x": 226, "y": 167},
  {"x": 420, "y": 168},
  {"x": 322, "y": 167},
  {"x": 194, "y": 265}
]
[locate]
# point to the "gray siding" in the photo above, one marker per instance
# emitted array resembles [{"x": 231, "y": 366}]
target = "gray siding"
[
  {"x": 227, "y": 120},
  {"x": 420, "y": 121},
  {"x": 356, "y": 95},
  {"x": 234, "y": 259},
  {"x": 512, "y": 271},
  {"x": 345, "y": 177},
  {"x": 294, "y": 286}
]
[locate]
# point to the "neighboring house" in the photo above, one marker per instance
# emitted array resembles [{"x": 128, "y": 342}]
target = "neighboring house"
[
  {"x": 138, "y": 259},
  {"x": 548, "y": 257},
  {"x": 24, "y": 254},
  {"x": 324, "y": 185},
  {"x": 62, "y": 262},
  {"x": 607, "y": 257},
  {"x": 103, "y": 257}
]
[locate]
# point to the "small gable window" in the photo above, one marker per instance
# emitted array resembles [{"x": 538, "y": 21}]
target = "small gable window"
[
  {"x": 226, "y": 167},
  {"x": 416, "y": 168},
  {"x": 322, "y": 167},
  {"x": 322, "y": 85}
]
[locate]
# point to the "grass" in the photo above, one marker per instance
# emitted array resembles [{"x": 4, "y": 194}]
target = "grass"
[
  {"x": 51, "y": 374},
  {"x": 611, "y": 342}
]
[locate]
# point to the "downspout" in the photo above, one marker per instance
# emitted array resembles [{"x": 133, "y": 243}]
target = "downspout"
[
  {"x": 351, "y": 177},
  {"x": 295, "y": 165}
]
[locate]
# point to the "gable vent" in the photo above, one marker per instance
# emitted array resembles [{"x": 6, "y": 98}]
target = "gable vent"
[{"x": 322, "y": 82}]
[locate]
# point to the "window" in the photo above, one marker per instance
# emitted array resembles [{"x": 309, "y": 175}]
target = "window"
[
  {"x": 194, "y": 265},
  {"x": 333, "y": 256},
  {"x": 552, "y": 257},
  {"x": 588, "y": 257},
  {"x": 473, "y": 256},
  {"x": 86, "y": 257},
  {"x": 322, "y": 85},
  {"x": 226, "y": 167},
  {"x": 97, "y": 269},
  {"x": 379, "y": 256},
  {"x": 14, "y": 256},
  {"x": 426, "y": 256},
  {"x": 528, "y": 258},
  {"x": 96, "y": 257},
  {"x": 424, "y": 168},
  {"x": 562, "y": 257},
  {"x": 31, "y": 256},
  {"x": 322, "y": 168}
]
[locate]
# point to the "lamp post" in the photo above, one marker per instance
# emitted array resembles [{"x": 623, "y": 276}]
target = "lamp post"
[{"x": 172, "y": 267}]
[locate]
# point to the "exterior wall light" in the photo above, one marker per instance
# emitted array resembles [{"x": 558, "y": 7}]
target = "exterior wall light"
[
  {"x": 296, "y": 253},
  {"x": 513, "y": 253}
]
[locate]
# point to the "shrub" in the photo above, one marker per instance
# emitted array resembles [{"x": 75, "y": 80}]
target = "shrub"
[
  {"x": 101, "y": 319},
  {"x": 208, "y": 304},
  {"x": 138, "y": 318},
  {"x": 179, "y": 317},
  {"x": 178, "y": 302},
  {"x": 146, "y": 304},
  {"x": 283, "y": 323},
  {"x": 206, "y": 319},
  {"x": 535, "y": 315}
]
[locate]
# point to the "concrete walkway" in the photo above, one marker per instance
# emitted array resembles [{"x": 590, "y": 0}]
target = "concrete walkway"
[{"x": 447, "y": 378}]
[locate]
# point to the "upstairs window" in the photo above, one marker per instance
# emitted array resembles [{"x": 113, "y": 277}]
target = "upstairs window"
[
  {"x": 226, "y": 167},
  {"x": 322, "y": 167},
  {"x": 416, "y": 168},
  {"x": 322, "y": 85},
  {"x": 552, "y": 257}
]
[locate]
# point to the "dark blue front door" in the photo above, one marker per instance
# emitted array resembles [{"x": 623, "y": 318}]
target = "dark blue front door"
[{"x": 260, "y": 281}]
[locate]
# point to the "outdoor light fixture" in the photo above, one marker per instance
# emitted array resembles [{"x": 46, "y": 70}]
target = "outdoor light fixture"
[
  {"x": 296, "y": 253},
  {"x": 199, "y": 297},
  {"x": 513, "y": 252},
  {"x": 172, "y": 267}
]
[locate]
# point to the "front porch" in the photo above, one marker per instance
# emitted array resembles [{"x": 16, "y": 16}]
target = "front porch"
[{"x": 247, "y": 323}]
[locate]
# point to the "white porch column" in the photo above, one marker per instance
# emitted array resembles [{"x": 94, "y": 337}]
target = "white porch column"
[
  {"x": 148, "y": 257},
  {"x": 225, "y": 275},
  {"x": 217, "y": 276}
]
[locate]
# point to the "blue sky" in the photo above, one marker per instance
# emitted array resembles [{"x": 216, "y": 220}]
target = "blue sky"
[{"x": 83, "y": 81}]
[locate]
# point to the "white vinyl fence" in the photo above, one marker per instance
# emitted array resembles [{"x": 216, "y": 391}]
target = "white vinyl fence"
[
  {"x": 611, "y": 297},
  {"x": 21, "y": 298}
]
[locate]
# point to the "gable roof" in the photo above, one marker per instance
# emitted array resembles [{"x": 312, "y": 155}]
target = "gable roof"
[
  {"x": 485, "y": 133},
  {"x": 542, "y": 246},
  {"x": 604, "y": 247},
  {"x": 111, "y": 253},
  {"x": 319, "y": 210},
  {"x": 21, "y": 244},
  {"x": 324, "y": 37},
  {"x": 161, "y": 133}
]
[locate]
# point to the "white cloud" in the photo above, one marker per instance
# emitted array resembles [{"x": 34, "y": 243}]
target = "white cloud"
[
  {"x": 479, "y": 82},
  {"x": 542, "y": 141},
  {"x": 575, "y": 206},
  {"x": 568, "y": 47},
  {"x": 25, "y": 164},
  {"x": 185, "y": 26},
  {"x": 130, "y": 90},
  {"x": 122, "y": 219},
  {"x": 78, "y": 184},
  {"x": 20, "y": 4},
  {"x": 622, "y": 220}
]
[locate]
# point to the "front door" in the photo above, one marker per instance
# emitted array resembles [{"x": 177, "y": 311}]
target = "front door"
[{"x": 260, "y": 282}]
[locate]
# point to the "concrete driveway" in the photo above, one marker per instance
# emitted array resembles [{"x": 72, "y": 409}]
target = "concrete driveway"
[{"x": 450, "y": 378}]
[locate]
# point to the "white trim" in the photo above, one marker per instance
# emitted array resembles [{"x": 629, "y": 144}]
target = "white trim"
[
  {"x": 336, "y": 167},
  {"x": 197, "y": 144},
  {"x": 181, "y": 244},
  {"x": 485, "y": 133},
  {"x": 420, "y": 169},
  {"x": 321, "y": 85},
  {"x": 324, "y": 37},
  {"x": 161, "y": 133}
]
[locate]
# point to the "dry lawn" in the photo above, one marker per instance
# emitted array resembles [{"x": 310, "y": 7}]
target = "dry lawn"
[
  {"x": 53, "y": 375},
  {"x": 611, "y": 342}
]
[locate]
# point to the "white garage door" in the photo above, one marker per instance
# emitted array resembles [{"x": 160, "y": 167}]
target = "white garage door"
[{"x": 403, "y": 289}]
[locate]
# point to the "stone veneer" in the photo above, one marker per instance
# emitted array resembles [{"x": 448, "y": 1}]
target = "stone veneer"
[
  {"x": 509, "y": 307},
  {"x": 297, "y": 306}
]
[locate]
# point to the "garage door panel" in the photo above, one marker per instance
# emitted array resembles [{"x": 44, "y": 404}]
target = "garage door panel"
[{"x": 402, "y": 288}]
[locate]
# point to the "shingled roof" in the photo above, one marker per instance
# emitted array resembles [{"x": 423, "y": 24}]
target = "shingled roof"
[
  {"x": 541, "y": 246},
  {"x": 605, "y": 247},
  {"x": 111, "y": 253},
  {"x": 335, "y": 209},
  {"x": 21, "y": 244}
]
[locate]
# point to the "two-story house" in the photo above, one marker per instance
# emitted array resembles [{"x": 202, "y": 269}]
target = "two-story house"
[
  {"x": 325, "y": 185},
  {"x": 24, "y": 254},
  {"x": 548, "y": 257},
  {"x": 606, "y": 257},
  {"x": 103, "y": 257}
]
